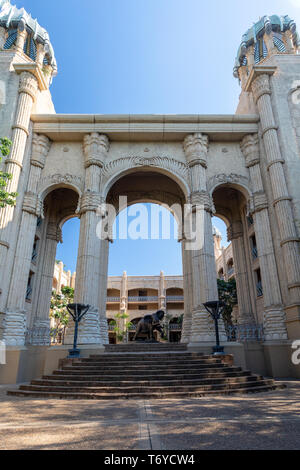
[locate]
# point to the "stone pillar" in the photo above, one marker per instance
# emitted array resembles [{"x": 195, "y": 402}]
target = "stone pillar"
[
  {"x": 3, "y": 36},
  {"x": 289, "y": 239},
  {"x": 103, "y": 268},
  {"x": 41, "y": 320},
  {"x": 14, "y": 163},
  {"x": 89, "y": 268},
  {"x": 73, "y": 280},
  {"x": 60, "y": 274},
  {"x": 23, "y": 256},
  {"x": 188, "y": 295},
  {"x": 274, "y": 316},
  {"x": 202, "y": 253},
  {"x": 162, "y": 301},
  {"x": 124, "y": 293},
  {"x": 20, "y": 42},
  {"x": 235, "y": 235}
]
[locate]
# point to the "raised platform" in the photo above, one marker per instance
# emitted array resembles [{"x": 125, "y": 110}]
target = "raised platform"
[{"x": 144, "y": 371}]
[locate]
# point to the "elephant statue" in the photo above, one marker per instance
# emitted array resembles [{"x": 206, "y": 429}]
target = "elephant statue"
[{"x": 147, "y": 326}]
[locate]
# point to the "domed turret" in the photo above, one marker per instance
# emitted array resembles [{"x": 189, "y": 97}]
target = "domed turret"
[
  {"x": 20, "y": 32},
  {"x": 270, "y": 35}
]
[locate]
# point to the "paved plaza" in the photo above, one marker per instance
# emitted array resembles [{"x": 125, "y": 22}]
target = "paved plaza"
[{"x": 259, "y": 421}]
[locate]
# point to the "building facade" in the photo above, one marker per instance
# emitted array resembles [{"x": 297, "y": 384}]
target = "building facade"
[{"x": 235, "y": 166}]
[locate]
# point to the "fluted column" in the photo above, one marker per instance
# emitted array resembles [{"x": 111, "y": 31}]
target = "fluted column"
[
  {"x": 89, "y": 268},
  {"x": 235, "y": 235},
  {"x": 41, "y": 320},
  {"x": 2, "y": 37},
  {"x": 289, "y": 239},
  {"x": 14, "y": 163},
  {"x": 204, "y": 276},
  {"x": 162, "y": 292},
  {"x": 23, "y": 257},
  {"x": 188, "y": 295},
  {"x": 274, "y": 316}
]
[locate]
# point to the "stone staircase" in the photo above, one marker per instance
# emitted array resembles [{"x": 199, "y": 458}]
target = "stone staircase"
[{"x": 138, "y": 371}]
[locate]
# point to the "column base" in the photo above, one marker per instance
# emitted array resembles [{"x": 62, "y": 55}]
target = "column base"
[
  {"x": 89, "y": 330},
  {"x": 293, "y": 321},
  {"x": 14, "y": 328},
  {"x": 39, "y": 334},
  {"x": 203, "y": 329},
  {"x": 274, "y": 325}
]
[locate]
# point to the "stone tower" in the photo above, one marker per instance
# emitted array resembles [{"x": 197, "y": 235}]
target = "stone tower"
[
  {"x": 268, "y": 67},
  {"x": 27, "y": 66}
]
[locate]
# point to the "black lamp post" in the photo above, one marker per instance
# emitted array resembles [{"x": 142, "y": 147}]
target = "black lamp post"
[
  {"x": 77, "y": 312},
  {"x": 215, "y": 309}
]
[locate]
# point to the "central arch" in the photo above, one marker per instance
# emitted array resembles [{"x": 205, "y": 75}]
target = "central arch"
[{"x": 150, "y": 185}]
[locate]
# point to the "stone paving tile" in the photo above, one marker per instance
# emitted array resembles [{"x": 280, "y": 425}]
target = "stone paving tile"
[{"x": 259, "y": 421}]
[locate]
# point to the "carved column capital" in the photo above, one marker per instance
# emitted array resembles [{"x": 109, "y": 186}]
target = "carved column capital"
[
  {"x": 28, "y": 84},
  {"x": 32, "y": 204},
  {"x": 40, "y": 149},
  {"x": 90, "y": 202},
  {"x": 202, "y": 198},
  {"x": 261, "y": 86},
  {"x": 95, "y": 149},
  {"x": 54, "y": 232},
  {"x": 235, "y": 231},
  {"x": 250, "y": 149},
  {"x": 196, "y": 147},
  {"x": 260, "y": 202}
]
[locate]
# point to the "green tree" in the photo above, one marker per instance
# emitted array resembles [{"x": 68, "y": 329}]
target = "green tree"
[
  {"x": 58, "y": 308},
  {"x": 121, "y": 326},
  {"x": 228, "y": 295},
  {"x": 6, "y": 198}
]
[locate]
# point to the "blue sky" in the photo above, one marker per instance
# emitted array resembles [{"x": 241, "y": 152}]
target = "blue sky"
[{"x": 146, "y": 56}]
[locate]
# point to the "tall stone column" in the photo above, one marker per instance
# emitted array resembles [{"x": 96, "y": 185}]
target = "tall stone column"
[
  {"x": 41, "y": 321},
  {"x": 15, "y": 311},
  {"x": 274, "y": 316},
  {"x": 162, "y": 301},
  {"x": 89, "y": 268},
  {"x": 188, "y": 295},
  {"x": 289, "y": 239},
  {"x": 14, "y": 163},
  {"x": 202, "y": 251},
  {"x": 235, "y": 235}
]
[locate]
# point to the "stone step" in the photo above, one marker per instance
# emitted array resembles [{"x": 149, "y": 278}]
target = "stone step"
[
  {"x": 234, "y": 383},
  {"x": 166, "y": 375},
  {"x": 145, "y": 364},
  {"x": 134, "y": 370},
  {"x": 142, "y": 358},
  {"x": 145, "y": 396},
  {"x": 159, "y": 382}
]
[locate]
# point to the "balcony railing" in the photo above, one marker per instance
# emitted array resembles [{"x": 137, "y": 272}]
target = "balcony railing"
[
  {"x": 113, "y": 299},
  {"x": 142, "y": 299},
  {"x": 175, "y": 298}
]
